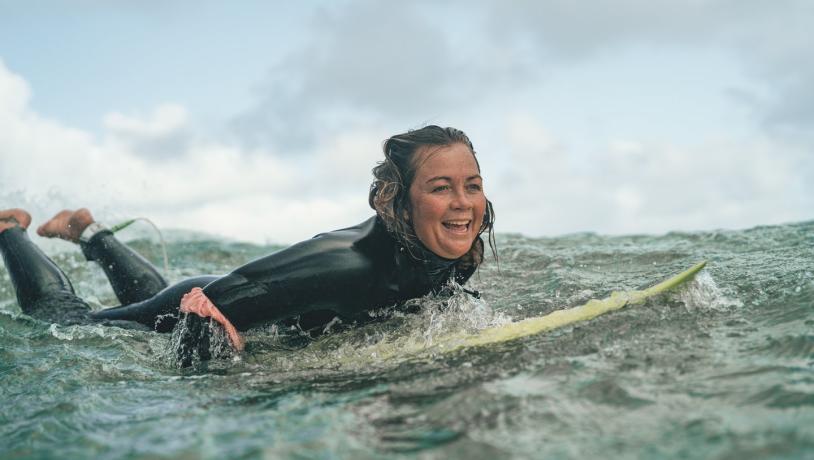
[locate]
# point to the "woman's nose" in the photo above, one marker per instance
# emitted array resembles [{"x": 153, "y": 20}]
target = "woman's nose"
[{"x": 460, "y": 200}]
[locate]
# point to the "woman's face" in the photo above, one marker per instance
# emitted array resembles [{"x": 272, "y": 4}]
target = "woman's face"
[{"x": 447, "y": 199}]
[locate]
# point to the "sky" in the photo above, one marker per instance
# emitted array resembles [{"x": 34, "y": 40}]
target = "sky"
[{"x": 260, "y": 121}]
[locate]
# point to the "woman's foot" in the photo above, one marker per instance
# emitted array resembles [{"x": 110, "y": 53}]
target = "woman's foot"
[
  {"x": 14, "y": 217},
  {"x": 67, "y": 225}
]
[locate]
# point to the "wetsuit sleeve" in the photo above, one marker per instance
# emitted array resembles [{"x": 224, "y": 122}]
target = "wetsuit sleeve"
[{"x": 324, "y": 273}]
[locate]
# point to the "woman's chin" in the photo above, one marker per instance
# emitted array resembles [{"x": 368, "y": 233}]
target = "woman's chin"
[
  {"x": 452, "y": 250},
  {"x": 447, "y": 244}
]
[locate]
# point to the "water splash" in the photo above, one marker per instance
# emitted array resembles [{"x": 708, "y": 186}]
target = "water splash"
[
  {"x": 458, "y": 313},
  {"x": 196, "y": 340},
  {"x": 704, "y": 294},
  {"x": 398, "y": 337},
  {"x": 78, "y": 333}
]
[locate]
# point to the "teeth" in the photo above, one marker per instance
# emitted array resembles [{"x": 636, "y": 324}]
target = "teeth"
[{"x": 457, "y": 225}]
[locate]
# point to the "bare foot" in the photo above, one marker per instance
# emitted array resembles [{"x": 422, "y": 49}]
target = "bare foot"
[
  {"x": 14, "y": 217},
  {"x": 67, "y": 225}
]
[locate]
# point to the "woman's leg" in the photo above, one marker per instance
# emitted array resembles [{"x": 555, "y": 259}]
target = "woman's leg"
[
  {"x": 142, "y": 291},
  {"x": 43, "y": 290},
  {"x": 134, "y": 279}
]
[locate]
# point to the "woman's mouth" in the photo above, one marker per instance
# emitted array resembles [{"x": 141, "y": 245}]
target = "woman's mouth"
[{"x": 457, "y": 226}]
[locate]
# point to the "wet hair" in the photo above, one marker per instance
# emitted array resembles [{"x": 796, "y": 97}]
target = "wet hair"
[{"x": 390, "y": 191}]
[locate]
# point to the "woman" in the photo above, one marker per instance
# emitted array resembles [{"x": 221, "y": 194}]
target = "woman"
[{"x": 430, "y": 212}]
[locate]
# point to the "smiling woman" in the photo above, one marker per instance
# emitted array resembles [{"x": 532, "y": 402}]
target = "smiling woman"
[
  {"x": 430, "y": 212},
  {"x": 447, "y": 200},
  {"x": 418, "y": 188}
]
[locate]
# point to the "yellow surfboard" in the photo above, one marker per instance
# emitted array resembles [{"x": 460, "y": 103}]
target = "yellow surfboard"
[
  {"x": 560, "y": 318},
  {"x": 412, "y": 346}
]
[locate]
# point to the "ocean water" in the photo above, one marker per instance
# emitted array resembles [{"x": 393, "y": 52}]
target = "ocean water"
[{"x": 722, "y": 368}]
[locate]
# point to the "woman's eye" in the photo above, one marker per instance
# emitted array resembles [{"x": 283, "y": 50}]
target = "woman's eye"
[
  {"x": 440, "y": 188},
  {"x": 475, "y": 187}
]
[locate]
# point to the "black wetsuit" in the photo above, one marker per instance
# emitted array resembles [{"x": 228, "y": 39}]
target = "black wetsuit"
[{"x": 343, "y": 273}]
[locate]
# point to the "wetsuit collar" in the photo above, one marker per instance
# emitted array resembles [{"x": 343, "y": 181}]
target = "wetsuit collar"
[{"x": 437, "y": 268}]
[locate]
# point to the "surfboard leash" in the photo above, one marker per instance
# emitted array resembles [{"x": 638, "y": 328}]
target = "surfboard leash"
[{"x": 129, "y": 222}]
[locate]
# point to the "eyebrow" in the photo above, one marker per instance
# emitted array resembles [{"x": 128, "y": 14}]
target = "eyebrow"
[{"x": 447, "y": 178}]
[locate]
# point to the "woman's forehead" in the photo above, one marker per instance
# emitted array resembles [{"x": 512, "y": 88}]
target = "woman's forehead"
[{"x": 455, "y": 159}]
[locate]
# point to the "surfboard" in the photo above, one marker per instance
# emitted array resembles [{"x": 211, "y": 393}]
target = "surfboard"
[{"x": 560, "y": 318}]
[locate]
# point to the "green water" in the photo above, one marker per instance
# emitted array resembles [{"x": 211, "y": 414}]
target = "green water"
[{"x": 723, "y": 368}]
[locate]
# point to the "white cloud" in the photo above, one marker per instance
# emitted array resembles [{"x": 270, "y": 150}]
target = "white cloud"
[
  {"x": 647, "y": 187},
  {"x": 208, "y": 186},
  {"x": 14, "y": 93},
  {"x": 165, "y": 119},
  {"x": 369, "y": 60},
  {"x": 771, "y": 40},
  {"x": 164, "y": 134}
]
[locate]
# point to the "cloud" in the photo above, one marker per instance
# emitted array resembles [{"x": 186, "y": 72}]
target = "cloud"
[
  {"x": 163, "y": 134},
  {"x": 634, "y": 186},
  {"x": 14, "y": 94},
  {"x": 771, "y": 40},
  {"x": 209, "y": 186},
  {"x": 570, "y": 30},
  {"x": 370, "y": 57},
  {"x": 369, "y": 60},
  {"x": 413, "y": 62}
]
